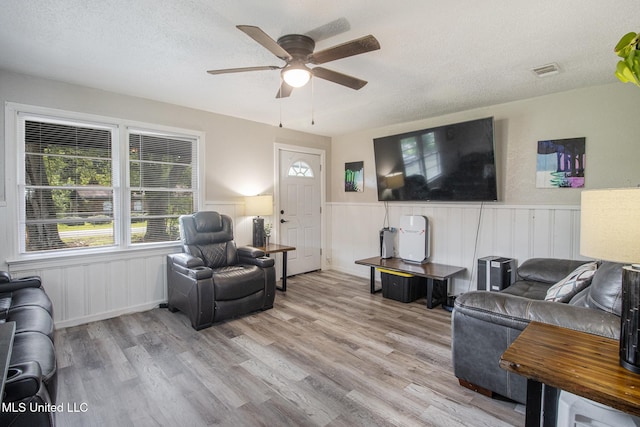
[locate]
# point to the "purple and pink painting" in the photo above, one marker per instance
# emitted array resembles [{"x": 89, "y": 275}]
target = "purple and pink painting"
[{"x": 561, "y": 163}]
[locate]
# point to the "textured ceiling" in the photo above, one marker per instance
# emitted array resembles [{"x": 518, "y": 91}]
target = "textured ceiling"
[{"x": 436, "y": 57}]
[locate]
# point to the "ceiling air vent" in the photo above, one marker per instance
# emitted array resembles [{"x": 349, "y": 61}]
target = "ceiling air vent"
[{"x": 546, "y": 70}]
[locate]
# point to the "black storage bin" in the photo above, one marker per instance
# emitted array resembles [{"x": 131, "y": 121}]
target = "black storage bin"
[{"x": 401, "y": 286}]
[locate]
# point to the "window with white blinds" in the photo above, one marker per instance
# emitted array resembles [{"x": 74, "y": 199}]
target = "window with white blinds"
[
  {"x": 163, "y": 185},
  {"x": 69, "y": 185},
  {"x": 68, "y": 193}
]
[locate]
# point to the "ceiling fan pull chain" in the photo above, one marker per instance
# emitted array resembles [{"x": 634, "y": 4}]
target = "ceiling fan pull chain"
[
  {"x": 280, "y": 100},
  {"x": 312, "y": 110}
]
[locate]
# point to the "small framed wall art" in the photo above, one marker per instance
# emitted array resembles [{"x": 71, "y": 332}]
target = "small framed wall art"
[
  {"x": 354, "y": 176},
  {"x": 561, "y": 163}
]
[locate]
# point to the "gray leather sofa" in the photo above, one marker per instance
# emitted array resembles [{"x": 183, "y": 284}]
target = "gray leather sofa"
[{"x": 485, "y": 323}]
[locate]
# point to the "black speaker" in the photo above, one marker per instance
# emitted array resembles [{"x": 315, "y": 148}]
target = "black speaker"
[
  {"x": 258, "y": 232},
  {"x": 629, "y": 320},
  {"x": 495, "y": 273}
]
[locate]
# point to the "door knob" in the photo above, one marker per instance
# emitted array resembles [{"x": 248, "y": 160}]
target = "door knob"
[{"x": 282, "y": 221}]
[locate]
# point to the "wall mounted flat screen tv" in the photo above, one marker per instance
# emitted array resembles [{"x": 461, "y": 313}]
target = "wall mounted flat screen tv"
[{"x": 447, "y": 163}]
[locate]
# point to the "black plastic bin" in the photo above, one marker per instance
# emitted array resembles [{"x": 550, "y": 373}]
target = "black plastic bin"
[{"x": 402, "y": 287}]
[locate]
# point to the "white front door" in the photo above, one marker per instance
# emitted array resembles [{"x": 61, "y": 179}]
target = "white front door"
[{"x": 300, "y": 217}]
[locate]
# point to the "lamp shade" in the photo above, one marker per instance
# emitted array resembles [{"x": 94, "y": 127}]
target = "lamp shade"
[
  {"x": 609, "y": 226},
  {"x": 258, "y": 205}
]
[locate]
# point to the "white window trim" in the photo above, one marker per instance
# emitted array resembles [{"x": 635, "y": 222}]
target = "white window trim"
[{"x": 12, "y": 172}]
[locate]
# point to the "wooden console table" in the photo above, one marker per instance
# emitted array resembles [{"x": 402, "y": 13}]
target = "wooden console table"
[
  {"x": 583, "y": 364},
  {"x": 431, "y": 271},
  {"x": 273, "y": 248}
]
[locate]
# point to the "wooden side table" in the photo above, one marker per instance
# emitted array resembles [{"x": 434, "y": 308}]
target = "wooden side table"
[
  {"x": 273, "y": 248},
  {"x": 583, "y": 364}
]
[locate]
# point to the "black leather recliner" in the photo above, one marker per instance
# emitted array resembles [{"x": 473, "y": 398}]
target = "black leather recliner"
[
  {"x": 213, "y": 280},
  {"x": 31, "y": 378}
]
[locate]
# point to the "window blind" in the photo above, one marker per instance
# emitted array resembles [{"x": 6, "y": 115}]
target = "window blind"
[
  {"x": 68, "y": 186},
  {"x": 163, "y": 185}
]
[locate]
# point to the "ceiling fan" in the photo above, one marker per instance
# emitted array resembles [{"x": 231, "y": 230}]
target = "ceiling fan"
[{"x": 297, "y": 51}]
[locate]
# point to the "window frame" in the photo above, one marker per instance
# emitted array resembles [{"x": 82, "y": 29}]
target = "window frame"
[{"x": 15, "y": 149}]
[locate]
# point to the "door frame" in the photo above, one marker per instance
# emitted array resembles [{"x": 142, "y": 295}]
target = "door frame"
[{"x": 277, "y": 148}]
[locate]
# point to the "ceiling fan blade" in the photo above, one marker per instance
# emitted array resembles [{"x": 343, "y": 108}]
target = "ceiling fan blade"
[
  {"x": 341, "y": 79},
  {"x": 243, "y": 69},
  {"x": 344, "y": 50},
  {"x": 330, "y": 29},
  {"x": 284, "y": 91},
  {"x": 263, "y": 38}
]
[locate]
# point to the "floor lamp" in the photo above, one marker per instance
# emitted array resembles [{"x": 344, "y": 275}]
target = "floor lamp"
[
  {"x": 610, "y": 230},
  {"x": 258, "y": 205}
]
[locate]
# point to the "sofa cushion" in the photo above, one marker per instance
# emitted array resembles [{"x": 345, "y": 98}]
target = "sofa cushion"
[
  {"x": 547, "y": 270},
  {"x": 238, "y": 281},
  {"x": 32, "y": 319},
  {"x": 31, "y": 296},
  {"x": 605, "y": 292},
  {"x": 528, "y": 289},
  {"x": 573, "y": 283}
]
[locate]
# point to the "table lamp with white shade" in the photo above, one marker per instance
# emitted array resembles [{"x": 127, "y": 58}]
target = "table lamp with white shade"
[
  {"x": 610, "y": 231},
  {"x": 258, "y": 205}
]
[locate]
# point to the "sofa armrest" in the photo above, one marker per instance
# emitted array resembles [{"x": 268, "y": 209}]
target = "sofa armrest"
[
  {"x": 516, "y": 312},
  {"x": 254, "y": 256},
  {"x": 250, "y": 252},
  {"x": 185, "y": 260},
  {"x": 23, "y": 381},
  {"x": 190, "y": 288},
  {"x": 262, "y": 262},
  {"x": 189, "y": 265},
  {"x": 9, "y": 284}
]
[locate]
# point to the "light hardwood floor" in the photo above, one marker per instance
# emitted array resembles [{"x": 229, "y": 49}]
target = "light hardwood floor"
[{"x": 328, "y": 354}]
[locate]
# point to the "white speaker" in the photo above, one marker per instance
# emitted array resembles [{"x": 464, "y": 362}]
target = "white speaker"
[
  {"x": 413, "y": 238},
  {"x": 387, "y": 237}
]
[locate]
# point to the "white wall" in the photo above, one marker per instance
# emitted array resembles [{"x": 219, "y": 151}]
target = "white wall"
[
  {"x": 606, "y": 115},
  {"x": 527, "y": 221},
  {"x": 239, "y": 157},
  {"x": 239, "y": 161}
]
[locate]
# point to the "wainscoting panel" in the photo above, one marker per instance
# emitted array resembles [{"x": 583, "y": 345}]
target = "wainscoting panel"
[
  {"x": 96, "y": 287},
  {"x": 86, "y": 288},
  {"x": 460, "y": 234}
]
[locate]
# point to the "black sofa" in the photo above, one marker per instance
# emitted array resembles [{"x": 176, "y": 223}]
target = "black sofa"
[
  {"x": 32, "y": 376},
  {"x": 485, "y": 323}
]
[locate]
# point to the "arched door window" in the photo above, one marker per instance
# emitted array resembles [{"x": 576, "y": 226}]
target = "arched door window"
[{"x": 300, "y": 169}]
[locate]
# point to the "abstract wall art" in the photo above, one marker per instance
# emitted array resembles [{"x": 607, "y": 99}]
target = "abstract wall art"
[
  {"x": 354, "y": 176},
  {"x": 561, "y": 163}
]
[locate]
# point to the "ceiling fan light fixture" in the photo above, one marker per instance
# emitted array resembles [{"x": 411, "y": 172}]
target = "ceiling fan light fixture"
[{"x": 296, "y": 75}]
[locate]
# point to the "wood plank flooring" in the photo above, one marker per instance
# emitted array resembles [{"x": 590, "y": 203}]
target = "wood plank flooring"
[{"x": 328, "y": 354}]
